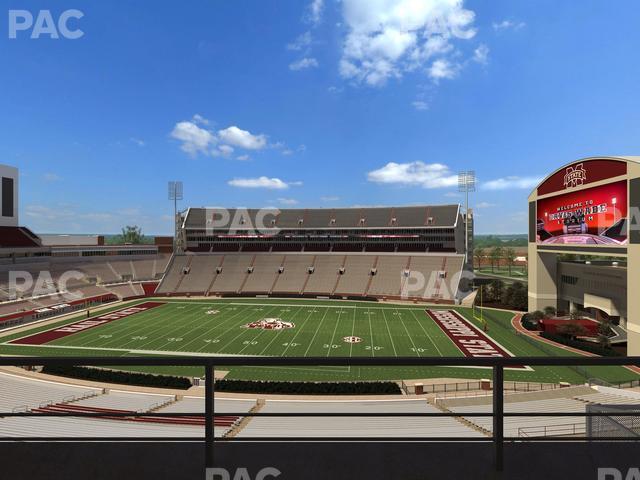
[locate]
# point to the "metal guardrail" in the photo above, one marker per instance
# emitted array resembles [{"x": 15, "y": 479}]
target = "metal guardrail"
[
  {"x": 209, "y": 363},
  {"x": 572, "y": 429}
]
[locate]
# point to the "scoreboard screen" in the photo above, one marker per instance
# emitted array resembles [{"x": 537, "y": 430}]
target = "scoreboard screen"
[{"x": 592, "y": 216}]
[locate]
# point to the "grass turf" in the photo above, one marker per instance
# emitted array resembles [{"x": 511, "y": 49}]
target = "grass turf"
[{"x": 183, "y": 326}]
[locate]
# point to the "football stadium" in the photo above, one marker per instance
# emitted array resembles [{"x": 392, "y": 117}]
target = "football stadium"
[
  {"x": 390, "y": 283},
  {"x": 390, "y": 240}
]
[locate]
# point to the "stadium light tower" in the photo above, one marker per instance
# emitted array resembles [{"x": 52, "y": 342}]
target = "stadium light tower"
[
  {"x": 175, "y": 194},
  {"x": 466, "y": 184}
]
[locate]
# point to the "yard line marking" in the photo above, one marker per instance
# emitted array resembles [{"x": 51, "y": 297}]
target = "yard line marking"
[
  {"x": 373, "y": 353},
  {"x": 389, "y": 332},
  {"x": 334, "y": 333},
  {"x": 191, "y": 317},
  {"x": 353, "y": 332},
  {"x": 427, "y": 334},
  {"x": 317, "y": 330},
  {"x": 415, "y": 349},
  {"x": 142, "y": 325},
  {"x": 297, "y": 333},
  {"x": 208, "y": 330},
  {"x": 93, "y": 336},
  {"x": 240, "y": 334}
]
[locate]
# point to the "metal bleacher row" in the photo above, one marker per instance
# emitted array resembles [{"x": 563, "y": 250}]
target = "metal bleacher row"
[
  {"x": 95, "y": 278},
  {"x": 312, "y": 274},
  {"x": 571, "y": 399},
  {"x": 26, "y": 394}
]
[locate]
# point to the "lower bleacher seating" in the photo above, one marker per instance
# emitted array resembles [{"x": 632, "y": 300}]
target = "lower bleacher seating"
[{"x": 321, "y": 274}]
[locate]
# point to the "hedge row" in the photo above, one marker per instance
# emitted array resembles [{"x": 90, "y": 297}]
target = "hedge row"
[
  {"x": 115, "y": 376},
  {"x": 581, "y": 345},
  {"x": 308, "y": 388}
]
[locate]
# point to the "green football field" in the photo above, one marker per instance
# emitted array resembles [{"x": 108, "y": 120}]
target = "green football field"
[{"x": 316, "y": 329}]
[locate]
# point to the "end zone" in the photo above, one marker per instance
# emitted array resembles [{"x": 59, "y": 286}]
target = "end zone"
[
  {"x": 49, "y": 335},
  {"x": 469, "y": 339}
]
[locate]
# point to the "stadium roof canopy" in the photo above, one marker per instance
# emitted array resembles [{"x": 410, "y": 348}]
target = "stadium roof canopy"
[{"x": 329, "y": 218}]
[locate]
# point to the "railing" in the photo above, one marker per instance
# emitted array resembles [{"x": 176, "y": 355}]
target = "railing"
[
  {"x": 208, "y": 363},
  {"x": 566, "y": 429},
  {"x": 475, "y": 389}
]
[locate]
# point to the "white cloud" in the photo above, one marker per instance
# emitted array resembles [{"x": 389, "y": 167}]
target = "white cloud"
[
  {"x": 243, "y": 158},
  {"x": 442, "y": 68},
  {"x": 199, "y": 119},
  {"x": 388, "y": 37},
  {"x": 288, "y": 201},
  {"x": 303, "y": 64},
  {"x": 315, "y": 11},
  {"x": 287, "y": 151},
  {"x": 242, "y": 138},
  {"x": 426, "y": 175},
  {"x": 302, "y": 42},
  {"x": 485, "y": 205},
  {"x": 420, "y": 105},
  {"x": 452, "y": 195},
  {"x": 481, "y": 54},
  {"x": 507, "y": 25},
  {"x": 330, "y": 198},
  {"x": 261, "y": 182},
  {"x": 511, "y": 182},
  {"x": 223, "y": 150},
  {"x": 137, "y": 141},
  {"x": 194, "y": 139}
]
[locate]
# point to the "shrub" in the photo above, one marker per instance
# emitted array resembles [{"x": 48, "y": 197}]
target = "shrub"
[
  {"x": 308, "y": 388},
  {"x": 581, "y": 345},
  {"x": 117, "y": 376}
]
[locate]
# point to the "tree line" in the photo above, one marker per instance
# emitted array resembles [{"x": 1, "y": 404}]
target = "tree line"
[{"x": 496, "y": 255}]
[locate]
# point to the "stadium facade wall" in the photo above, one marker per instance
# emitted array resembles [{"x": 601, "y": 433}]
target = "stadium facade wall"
[{"x": 582, "y": 213}]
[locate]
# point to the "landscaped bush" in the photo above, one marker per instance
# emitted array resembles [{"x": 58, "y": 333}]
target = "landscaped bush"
[
  {"x": 531, "y": 321},
  {"x": 308, "y": 388},
  {"x": 116, "y": 376},
  {"x": 581, "y": 345}
]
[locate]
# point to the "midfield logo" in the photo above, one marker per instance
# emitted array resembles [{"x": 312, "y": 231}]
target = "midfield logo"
[{"x": 575, "y": 176}]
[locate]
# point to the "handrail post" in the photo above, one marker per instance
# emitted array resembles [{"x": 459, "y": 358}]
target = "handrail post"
[
  {"x": 209, "y": 414},
  {"x": 498, "y": 416}
]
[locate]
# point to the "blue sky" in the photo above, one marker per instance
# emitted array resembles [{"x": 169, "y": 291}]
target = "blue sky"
[{"x": 310, "y": 104}]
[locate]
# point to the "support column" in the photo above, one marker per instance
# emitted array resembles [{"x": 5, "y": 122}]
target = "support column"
[{"x": 543, "y": 288}]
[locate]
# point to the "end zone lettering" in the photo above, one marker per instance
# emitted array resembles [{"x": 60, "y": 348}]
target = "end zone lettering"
[
  {"x": 469, "y": 339},
  {"x": 54, "y": 334}
]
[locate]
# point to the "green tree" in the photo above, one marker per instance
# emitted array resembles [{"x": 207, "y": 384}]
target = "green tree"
[
  {"x": 537, "y": 315},
  {"x": 550, "y": 311},
  {"x": 479, "y": 254},
  {"x": 132, "y": 234},
  {"x": 510, "y": 257},
  {"x": 519, "y": 298},
  {"x": 495, "y": 255},
  {"x": 496, "y": 290},
  {"x": 571, "y": 330}
]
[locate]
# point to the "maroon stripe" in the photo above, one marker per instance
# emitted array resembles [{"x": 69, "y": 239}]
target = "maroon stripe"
[
  {"x": 469, "y": 339},
  {"x": 82, "y": 325}
]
